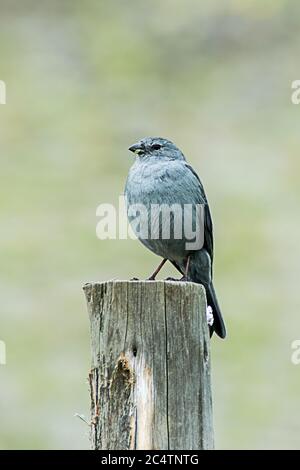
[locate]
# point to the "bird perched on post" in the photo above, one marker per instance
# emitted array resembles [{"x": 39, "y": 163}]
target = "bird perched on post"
[{"x": 162, "y": 177}]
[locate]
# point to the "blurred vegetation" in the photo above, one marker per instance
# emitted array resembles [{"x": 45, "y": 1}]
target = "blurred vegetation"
[{"x": 84, "y": 81}]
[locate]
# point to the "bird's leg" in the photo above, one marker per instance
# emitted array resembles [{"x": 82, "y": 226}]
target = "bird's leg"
[
  {"x": 186, "y": 272},
  {"x": 187, "y": 267},
  {"x": 152, "y": 278}
]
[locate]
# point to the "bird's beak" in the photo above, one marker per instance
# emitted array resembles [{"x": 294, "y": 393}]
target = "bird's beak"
[{"x": 136, "y": 148}]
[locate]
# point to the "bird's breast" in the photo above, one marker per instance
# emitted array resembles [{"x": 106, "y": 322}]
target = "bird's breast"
[{"x": 157, "y": 197}]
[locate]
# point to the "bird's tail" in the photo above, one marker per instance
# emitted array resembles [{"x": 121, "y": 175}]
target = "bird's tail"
[{"x": 218, "y": 325}]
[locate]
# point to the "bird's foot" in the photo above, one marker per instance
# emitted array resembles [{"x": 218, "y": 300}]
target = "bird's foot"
[
  {"x": 209, "y": 316},
  {"x": 172, "y": 279},
  {"x": 134, "y": 279},
  {"x": 184, "y": 279}
]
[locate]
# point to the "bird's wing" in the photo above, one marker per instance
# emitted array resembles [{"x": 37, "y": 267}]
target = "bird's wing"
[{"x": 208, "y": 225}]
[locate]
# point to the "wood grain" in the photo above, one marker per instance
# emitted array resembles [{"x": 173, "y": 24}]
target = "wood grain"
[{"x": 150, "y": 375}]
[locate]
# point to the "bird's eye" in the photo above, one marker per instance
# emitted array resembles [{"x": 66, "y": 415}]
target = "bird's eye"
[{"x": 155, "y": 146}]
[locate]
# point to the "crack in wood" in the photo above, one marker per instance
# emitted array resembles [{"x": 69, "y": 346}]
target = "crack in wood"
[{"x": 150, "y": 377}]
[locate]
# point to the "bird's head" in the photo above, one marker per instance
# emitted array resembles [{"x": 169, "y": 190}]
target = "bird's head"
[{"x": 156, "y": 147}]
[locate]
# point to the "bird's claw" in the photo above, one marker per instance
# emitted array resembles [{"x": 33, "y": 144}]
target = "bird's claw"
[
  {"x": 134, "y": 279},
  {"x": 183, "y": 279}
]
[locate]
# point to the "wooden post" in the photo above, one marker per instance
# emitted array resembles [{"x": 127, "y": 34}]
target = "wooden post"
[{"x": 150, "y": 377}]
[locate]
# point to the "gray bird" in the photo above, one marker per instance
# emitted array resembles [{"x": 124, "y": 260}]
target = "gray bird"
[{"x": 161, "y": 175}]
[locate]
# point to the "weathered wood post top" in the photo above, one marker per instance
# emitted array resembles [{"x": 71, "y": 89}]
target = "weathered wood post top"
[{"x": 150, "y": 376}]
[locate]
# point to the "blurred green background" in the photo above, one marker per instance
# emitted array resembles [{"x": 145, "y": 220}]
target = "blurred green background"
[{"x": 84, "y": 81}]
